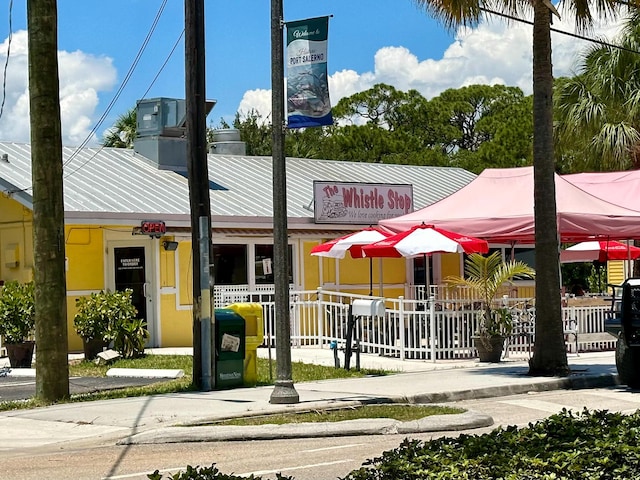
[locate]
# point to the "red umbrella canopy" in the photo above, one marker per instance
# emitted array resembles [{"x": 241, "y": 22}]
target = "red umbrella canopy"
[
  {"x": 353, "y": 242},
  {"x": 601, "y": 251},
  {"x": 425, "y": 240}
]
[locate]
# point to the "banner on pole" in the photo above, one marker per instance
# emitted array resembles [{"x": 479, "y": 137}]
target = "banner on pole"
[{"x": 308, "y": 102}]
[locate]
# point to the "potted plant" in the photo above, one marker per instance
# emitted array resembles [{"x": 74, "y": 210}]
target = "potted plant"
[
  {"x": 109, "y": 316},
  {"x": 484, "y": 276},
  {"x": 17, "y": 322},
  {"x": 91, "y": 323}
]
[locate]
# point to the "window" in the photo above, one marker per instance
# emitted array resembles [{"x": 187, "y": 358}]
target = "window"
[
  {"x": 230, "y": 264},
  {"x": 419, "y": 270},
  {"x": 264, "y": 264},
  {"x": 526, "y": 255}
]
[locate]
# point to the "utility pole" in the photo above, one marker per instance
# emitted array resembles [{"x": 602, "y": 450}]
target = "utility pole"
[
  {"x": 52, "y": 364},
  {"x": 284, "y": 391},
  {"x": 203, "y": 331}
]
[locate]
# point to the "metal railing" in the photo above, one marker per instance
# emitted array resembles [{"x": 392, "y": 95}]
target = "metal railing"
[
  {"x": 434, "y": 329},
  {"x": 440, "y": 328}
]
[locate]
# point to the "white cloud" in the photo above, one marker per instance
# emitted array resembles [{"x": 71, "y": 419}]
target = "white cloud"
[
  {"x": 82, "y": 76},
  {"x": 495, "y": 52},
  {"x": 258, "y": 100}
]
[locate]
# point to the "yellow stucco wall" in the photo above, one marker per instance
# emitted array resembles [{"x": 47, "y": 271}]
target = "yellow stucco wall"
[
  {"x": 176, "y": 325},
  {"x": 354, "y": 273},
  {"x": 167, "y": 266},
  {"x": 16, "y": 243},
  {"x": 176, "y": 317},
  {"x": 85, "y": 253},
  {"x": 615, "y": 273},
  {"x": 75, "y": 342},
  {"x": 185, "y": 273},
  {"x": 450, "y": 265}
]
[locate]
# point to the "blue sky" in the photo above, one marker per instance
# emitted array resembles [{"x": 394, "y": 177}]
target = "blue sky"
[{"x": 370, "y": 41}]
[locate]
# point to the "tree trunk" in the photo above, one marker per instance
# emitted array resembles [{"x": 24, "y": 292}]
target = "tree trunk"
[
  {"x": 52, "y": 367},
  {"x": 550, "y": 356}
]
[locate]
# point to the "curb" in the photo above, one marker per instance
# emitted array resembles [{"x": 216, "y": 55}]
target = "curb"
[
  {"x": 567, "y": 383},
  {"x": 378, "y": 426},
  {"x": 454, "y": 422},
  {"x": 145, "y": 373},
  {"x": 21, "y": 372},
  {"x": 113, "y": 372}
]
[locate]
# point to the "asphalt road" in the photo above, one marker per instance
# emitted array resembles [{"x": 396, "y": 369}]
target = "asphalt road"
[
  {"x": 304, "y": 459},
  {"x": 23, "y": 388}
]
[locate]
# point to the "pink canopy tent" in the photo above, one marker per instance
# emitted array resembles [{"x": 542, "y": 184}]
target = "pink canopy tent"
[
  {"x": 498, "y": 206},
  {"x": 621, "y": 188}
]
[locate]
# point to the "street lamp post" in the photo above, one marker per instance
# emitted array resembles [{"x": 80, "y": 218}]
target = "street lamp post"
[{"x": 284, "y": 391}]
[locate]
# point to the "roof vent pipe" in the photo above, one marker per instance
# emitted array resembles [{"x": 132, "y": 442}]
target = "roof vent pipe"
[
  {"x": 5, "y": 157},
  {"x": 226, "y": 141}
]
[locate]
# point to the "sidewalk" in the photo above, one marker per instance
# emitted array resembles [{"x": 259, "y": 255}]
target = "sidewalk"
[{"x": 163, "y": 418}]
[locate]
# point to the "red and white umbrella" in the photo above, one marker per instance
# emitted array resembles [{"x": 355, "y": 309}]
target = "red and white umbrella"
[
  {"x": 599, "y": 251},
  {"x": 425, "y": 240},
  {"x": 353, "y": 242}
]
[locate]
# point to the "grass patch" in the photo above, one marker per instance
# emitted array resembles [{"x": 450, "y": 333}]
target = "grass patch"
[
  {"x": 403, "y": 413},
  {"x": 305, "y": 372},
  {"x": 168, "y": 362},
  {"x": 300, "y": 372}
]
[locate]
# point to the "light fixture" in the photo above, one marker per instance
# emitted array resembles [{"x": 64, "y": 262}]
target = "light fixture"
[{"x": 170, "y": 246}]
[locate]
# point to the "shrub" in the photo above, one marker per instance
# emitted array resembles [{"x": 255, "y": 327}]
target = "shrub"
[
  {"x": 585, "y": 446},
  {"x": 17, "y": 311},
  {"x": 129, "y": 337},
  {"x": 93, "y": 318},
  {"x": 111, "y": 316},
  {"x": 207, "y": 473}
]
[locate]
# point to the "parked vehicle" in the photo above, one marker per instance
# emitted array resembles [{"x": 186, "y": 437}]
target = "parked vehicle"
[{"x": 624, "y": 324}]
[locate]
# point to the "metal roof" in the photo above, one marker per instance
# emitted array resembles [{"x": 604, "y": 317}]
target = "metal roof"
[{"x": 119, "y": 184}]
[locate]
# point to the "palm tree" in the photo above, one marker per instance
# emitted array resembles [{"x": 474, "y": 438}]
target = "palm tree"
[
  {"x": 550, "y": 357},
  {"x": 123, "y": 132},
  {"x": 52, "y": 366},
  {"x": 598, "y": 111},
  {"x": 485, "y": 276}
]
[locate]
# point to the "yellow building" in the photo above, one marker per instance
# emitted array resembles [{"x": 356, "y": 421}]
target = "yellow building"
[{"x": 127, "y": 225}]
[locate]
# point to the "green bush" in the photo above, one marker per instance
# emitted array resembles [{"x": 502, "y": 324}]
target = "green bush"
[
  {"x": 129, "y": 337},
  {"x": 111, "y": 316},
  {"x": 17, "y": 311},
  {"x": 93, "y": 318},
  {"x": 206, "y": 473},
  {"x": 586, "y": 446}
]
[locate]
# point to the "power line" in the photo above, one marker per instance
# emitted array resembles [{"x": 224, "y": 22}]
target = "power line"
[
  {"x": 115, "y": 98},
  {"x": 122, "y": 85},
  {"x": 143, "y": 96},
  {"x": 175, "y": 45},
  {"x": 574, "y": 35}
]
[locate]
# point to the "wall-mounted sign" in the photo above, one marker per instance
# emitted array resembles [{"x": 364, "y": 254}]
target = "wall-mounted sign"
[
  {"x": 360, "y": 203},
  {"x": 154, "y": 228}
]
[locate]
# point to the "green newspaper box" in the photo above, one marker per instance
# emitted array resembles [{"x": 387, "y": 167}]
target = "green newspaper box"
[{"x": 230, "y": 348}]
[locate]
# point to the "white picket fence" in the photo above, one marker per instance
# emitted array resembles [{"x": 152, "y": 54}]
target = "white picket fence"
[{"x": 438, "y": 329}]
